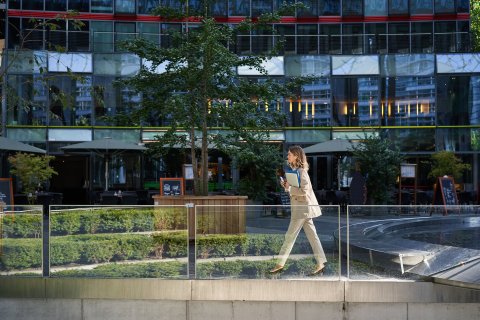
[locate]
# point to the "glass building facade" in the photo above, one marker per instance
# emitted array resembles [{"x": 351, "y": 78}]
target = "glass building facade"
[{"x": 401, "y": 67}]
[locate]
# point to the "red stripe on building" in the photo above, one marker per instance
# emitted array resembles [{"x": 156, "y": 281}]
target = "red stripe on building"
[{"x": 321, "y": 19}]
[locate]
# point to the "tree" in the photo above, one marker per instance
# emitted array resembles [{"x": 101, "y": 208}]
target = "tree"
[
  {"x": 380, "y": 164},
  {"x": 22, "y": 55},
  {"x": 193, "y": 86},
  {"x": 31, "y": 170},
  {"x": 446, "y": 163},
  {"x": 475, "y": 24}
]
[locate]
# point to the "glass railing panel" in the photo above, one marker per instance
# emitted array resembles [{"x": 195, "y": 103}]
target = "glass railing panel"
[
  {"x": 119, "y": 241},
  {"x": 21, "y": 237},
  {"x": 245, "y": 241},
  {"x": 409, "y": 242}
]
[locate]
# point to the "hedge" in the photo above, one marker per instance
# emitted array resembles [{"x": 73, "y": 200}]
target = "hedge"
[
  {"x": 206, "y": 270},
  {"x": 100, "y": 248}
]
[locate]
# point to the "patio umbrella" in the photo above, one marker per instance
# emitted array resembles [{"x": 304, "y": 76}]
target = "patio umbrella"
[
  {"x": 105, "y": 147},
  {"x": 332, "y": 146},
  {"x": 335, "y": 146},
  {"x": 7, "y": 144}
]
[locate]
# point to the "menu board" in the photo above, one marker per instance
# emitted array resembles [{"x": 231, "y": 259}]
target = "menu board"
[
  {"x": 445, "y": 192},
  {"x": 171, "y": 186}
]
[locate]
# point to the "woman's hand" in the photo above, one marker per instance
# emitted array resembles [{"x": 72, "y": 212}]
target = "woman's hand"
[{"x": 286, "y": 185}]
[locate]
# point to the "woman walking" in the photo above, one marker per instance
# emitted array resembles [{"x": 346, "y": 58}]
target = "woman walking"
[{"x": 304, "y": 208}]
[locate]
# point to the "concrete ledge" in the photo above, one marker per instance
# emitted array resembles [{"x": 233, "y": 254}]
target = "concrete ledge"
[
  {"x": 237, "y": 290},
  {"x": 369, "y": 291},
  {"x": 268, "y": 290}
]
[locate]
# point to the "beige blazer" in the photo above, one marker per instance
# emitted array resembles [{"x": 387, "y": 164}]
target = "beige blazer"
[{"x": 303, "y": 200}]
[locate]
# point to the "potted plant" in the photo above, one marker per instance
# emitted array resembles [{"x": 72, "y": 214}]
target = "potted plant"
[{"x": 32, "y": 171}]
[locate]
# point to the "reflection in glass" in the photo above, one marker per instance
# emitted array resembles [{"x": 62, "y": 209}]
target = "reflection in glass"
[
  {"x": 315, "y": 109},
  {"x": 307, "y": 39},
  {"x": 458, "y": 100},
  {"x": 396, "y": 7},
  {"x": 124, "y": 6},
  {"x": 355, "y": 101},
  {"x": 445, "y": 40},
  {"x": 421, "y": 6},
  {"x": 422, "y": 40},
  {"x": 398, "y": 38},
  {"x": 79, "y": 5},
  {"x": 352, "y": 7},
  {"x": 352, "y": 38},
  {"x": 26, "y": 98},
  {"x": 261, "y": 6},
  {"x": 376, "y": 8},
  {"x": 102, "y": 36},
  {"x": 239, "y": 8},
  {"x": 310, "y": 10},
  {"x": 102, "y": 5},
  {"x": 444, "y": 6},
  {"x": 408, "y": 101},
  {"x": 145, "y": 6},
  {"x": 330, "y": 39},
  {"x": 411, "y": 140},
  {"x": 458, "y": 139},
  {"x": 329, "y": 7},
  {"x": 375, "y": 38}
]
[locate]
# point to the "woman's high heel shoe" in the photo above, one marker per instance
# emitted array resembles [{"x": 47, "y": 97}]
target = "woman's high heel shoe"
[
  {"x": 318, "y": 270},
  {"x": 277, "y": 268}
]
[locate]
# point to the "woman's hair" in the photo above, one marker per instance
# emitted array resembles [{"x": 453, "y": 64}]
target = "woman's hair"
[{"x": 301, "y": 161}]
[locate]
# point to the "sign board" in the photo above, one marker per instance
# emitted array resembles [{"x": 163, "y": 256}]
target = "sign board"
[
  {"x": 188, "y": 172},
  {"x": 6, "y": 191},
  {"x": 445, "y": 192},
  {"x": 172, "y": 186},
  {"x": 407, "y": 170}
]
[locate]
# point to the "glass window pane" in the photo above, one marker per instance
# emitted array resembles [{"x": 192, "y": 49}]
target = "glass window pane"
[
  {"x": 328, "y": 7},
  {"x": 79, "y": 5},
  {"x": 310, "y": 10},
  {"x": 219, "y": 8},
  {"x": 124, "y": 31},
  {"x": 352, "y": 7},
  {"x": 408, "y": 101},
  {"x": 32, "y": 34},
  {"x": 102, "y": 36},
  {"x": 78, "y": 37},
  {"x": 376, "y": 8},
  {"x": 407, "y": 65},
  {"x": 26, "y": 96},
  {"x": 444, "y": 6},
  {"x": 116, "y": 64},
  {"x": 261, "y": 6},
  {"x": 445, "y": 36},
  {"x": 398, "y": 38},
  {"x": 355, "y": 101},
  {"x": 32, "y": 5},
  {"x": 458, "y": 63},
  {"x": 125, "y": 6},
  {"x": 422, "y": 39},
  {"x": 285, "y": 34},
  {"x": 102, "y": 6},
  {"x": 421, "y": 6},
  {"x": 145, "y": 6},
  {"x": 297, "y": 66},
  {"x": 463, "y": 6},
  {"x": 149, "y": 31},
  {"x": 239, "y": 7},
  {"x": 352, "y": 38},
  {"x": 330, "y": 39},
  {"x": 14, "y": 39},
  {"x": 14, "y": 4},
  {"x": 375, "y": 38},
  {"x": 396, "y": 7},
  {"x": 355, "y": 65},
  {"x": 458, "y": 100},
  {"x": 315, "y": 106},
  {"x": 307, "y": 39},
  {"x": 53, "y": 5},
  {"x": 411, "y": 140},
  {"x": 458, "y": 139},
  {"x": 262, "y": 41}
]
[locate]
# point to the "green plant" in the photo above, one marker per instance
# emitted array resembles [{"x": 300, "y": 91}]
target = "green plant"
[
  {"x": 446, "y": 163},
  {"x": 32, "y": 170},
  {"x": 379, "y": 162}
]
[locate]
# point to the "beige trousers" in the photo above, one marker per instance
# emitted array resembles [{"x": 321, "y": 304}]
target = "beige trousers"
[{"x": 291, "y": 235}]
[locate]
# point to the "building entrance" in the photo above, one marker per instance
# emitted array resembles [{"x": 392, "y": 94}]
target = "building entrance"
[{"x": 71, "y": 178}]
